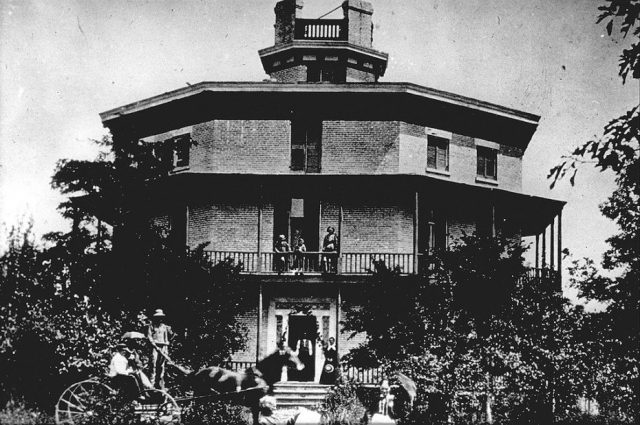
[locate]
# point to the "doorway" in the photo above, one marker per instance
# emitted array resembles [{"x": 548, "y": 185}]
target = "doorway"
[{"x": 303, "y": 329}]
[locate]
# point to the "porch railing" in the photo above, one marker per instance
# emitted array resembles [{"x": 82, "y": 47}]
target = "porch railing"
[
  {"x": 360, "y": 375},
  {"x": 346, "y": 263},
  {"x": 320, "y": 29},
  {"x": 314, "y": 261}
]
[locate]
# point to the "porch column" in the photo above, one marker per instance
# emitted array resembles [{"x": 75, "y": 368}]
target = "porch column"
[
  {"x": 339, "y": 259},
  {"x": 415, "y": 231},
  {"x": 99, "y": 244},
  {"x": 259, "y": 327},
  {"x": 544, "y": 248},
  {"x": 552, "y": 260},
  {"x": 493, "y": 219},
  {"x": 537, "y": 252},
  {"x": 259, "y": 234},
  {"x": 560, "y": 248},
  {"x": 338, "y": 303}
]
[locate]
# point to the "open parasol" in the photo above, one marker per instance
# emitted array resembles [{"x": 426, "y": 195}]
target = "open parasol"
[{"x": 133, "y": 335}]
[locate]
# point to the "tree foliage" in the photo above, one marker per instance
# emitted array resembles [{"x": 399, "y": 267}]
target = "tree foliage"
[
  {"x": 616, "y": 151},
  {"x": 480, "y": 336}
]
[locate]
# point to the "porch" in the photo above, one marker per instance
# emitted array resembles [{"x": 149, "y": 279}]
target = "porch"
[{"x": 346, "y": 263}]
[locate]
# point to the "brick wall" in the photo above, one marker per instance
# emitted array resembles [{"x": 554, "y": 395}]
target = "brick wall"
[
  {"x": 241, "y": 146},
  {"x": 356, "y": 147},
  {"x": 226, "y": 225},
  {"x": 291, "y": 75},
  {"x": 359, "y": 76},
  {"x": 383, "y": 226},
  {"x": 248, "y": 318}
]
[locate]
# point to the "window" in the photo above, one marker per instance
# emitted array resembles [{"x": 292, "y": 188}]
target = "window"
[
  {"x": 487, "y": 163},
  {"x": 306, "y": 140},
  {"x": 181, "y": 145},
  {"x": 437, "y": 153},
  {"x": 317, "y": 73}
]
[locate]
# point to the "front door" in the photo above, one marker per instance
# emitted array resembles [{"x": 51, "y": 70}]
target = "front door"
[{"x": 302, "y": 337}]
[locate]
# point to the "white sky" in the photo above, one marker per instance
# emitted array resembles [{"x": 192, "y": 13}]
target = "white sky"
[{"x": 64, "y": 61}]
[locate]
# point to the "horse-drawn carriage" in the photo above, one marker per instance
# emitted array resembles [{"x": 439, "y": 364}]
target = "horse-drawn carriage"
[{"x": 92, "y": 398}]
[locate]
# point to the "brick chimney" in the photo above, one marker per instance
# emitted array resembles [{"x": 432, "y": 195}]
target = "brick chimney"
[
  {"x": 286, "y": 13},
  {"x": 359, "y": 25}
]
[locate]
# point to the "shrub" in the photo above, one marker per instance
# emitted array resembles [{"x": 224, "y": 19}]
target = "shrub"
[{"x": 343, "y": 406}]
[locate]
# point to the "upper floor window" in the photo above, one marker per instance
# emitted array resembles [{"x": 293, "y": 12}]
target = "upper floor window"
[
  {"x": 173, "y": 152},
  {"x": 487, "y": 163},
  {"x": 306, "y": 144},
  {"x": 181, "y": 145},
  {"x": 437, "y": 153}
]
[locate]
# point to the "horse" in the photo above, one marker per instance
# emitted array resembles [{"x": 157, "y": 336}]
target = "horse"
[{"x": 254, "y": 383}]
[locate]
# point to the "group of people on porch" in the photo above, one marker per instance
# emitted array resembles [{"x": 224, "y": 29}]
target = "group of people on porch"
[{"x": 284, "y": 253}]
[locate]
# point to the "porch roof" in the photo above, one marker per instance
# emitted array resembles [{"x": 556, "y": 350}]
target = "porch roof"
[{"x": 533, "y": 212}]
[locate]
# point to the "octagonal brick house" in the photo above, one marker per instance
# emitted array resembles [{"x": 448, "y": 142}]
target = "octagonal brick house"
[{"x": 397, "y": 169}]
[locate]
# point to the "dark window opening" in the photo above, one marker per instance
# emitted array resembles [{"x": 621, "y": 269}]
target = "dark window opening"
[
  {"x": 325, "y": 73},
  {"x": 434, "y": 233},
  {"x": 437, "y": 153},
  {"x": 487, "y": 163},
  {"x": 306, "y": 145},
  {"x": 181, "y": 151}
]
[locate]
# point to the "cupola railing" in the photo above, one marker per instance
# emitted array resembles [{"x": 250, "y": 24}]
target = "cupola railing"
[{"x": 320, "y": 29}]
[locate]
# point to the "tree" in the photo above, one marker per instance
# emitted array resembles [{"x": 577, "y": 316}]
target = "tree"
[
  {"x": 476, "y": 334},
  {"x": 617, "y": 151}
]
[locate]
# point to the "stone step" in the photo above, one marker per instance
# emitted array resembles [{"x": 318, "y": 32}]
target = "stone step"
[{"x": 300, "y": 394}]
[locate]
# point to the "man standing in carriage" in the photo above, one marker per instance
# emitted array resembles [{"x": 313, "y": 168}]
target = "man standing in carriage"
[{"x": 159, "y": 335}]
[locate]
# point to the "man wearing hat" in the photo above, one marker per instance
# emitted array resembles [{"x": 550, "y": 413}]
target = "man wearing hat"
[{"x": 159, "y": 335}]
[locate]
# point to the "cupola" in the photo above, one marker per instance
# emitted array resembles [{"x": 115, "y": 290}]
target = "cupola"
[{"x": 323, "y": 50}]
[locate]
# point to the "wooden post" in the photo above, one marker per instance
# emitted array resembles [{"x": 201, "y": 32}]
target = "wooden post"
[
  {"x": 259, "y": 234},
  {"x": 560, "y": 249},
  {"x": 99, "y": 244},
  {"x": 259, "y": 327},
  {"x": 544, "y": 248},
  {"x": 552, "y": 259},
  {"x": 338, "y": 303},
  {"x": 415, "y": 231},
  {"x": 537, "y": 252},
  {"x": 339, "y": 259},
  {"x": 493, "y": 219}
]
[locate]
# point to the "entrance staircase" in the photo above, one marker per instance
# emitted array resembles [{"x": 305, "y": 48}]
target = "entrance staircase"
[{"x": 291, "y": 395}]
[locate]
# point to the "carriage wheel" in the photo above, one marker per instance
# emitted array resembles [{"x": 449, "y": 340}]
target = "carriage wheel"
[
  {"x": 161, "y": 407},
  {"x": 80, "y": 401}
]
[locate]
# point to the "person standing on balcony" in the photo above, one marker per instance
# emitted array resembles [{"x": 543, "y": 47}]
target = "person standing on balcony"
[
  {"x": 298, "y": 251},
  {"x": 159, "y": 335},
  {"x": 330, "y": 244},
  {"x": 282, "y": 250}
]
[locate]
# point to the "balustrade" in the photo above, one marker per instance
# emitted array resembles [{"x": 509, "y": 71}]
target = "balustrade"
[{"x": 320, "y": 29}]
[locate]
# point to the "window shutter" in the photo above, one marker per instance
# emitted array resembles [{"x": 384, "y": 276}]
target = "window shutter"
[
  {"x": 441, "y": 156},
  {"x": 491, "y": 164},
  {"x": 431, "y": 155},
  {"x": 481, "y": 162}
]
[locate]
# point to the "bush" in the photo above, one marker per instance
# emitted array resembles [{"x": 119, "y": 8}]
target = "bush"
[
  {"x": 18, "y": 414},
  {"x": 216, "y": 413},
  {"x": 343, "y": 406}
]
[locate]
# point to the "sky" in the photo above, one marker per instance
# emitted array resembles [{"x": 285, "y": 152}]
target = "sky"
[{"x": 63, "y": 61}]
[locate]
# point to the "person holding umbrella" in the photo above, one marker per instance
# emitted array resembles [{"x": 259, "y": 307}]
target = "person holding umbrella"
[{"x": 159, "y": 335}]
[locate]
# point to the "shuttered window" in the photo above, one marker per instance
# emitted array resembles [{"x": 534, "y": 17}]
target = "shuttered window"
[
  {"x": 437, "y": 153},
  {"x": 487, "y": 163},
  {"x": 306, "y": 144}
]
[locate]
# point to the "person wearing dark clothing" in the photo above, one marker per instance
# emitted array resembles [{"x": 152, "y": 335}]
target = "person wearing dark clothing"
[
  {"x": 330, "y": 368},
  {"x": 298, "y": 251},
  {"x": 281, "y": 257},
  {"x": 330, "y": 245}
]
